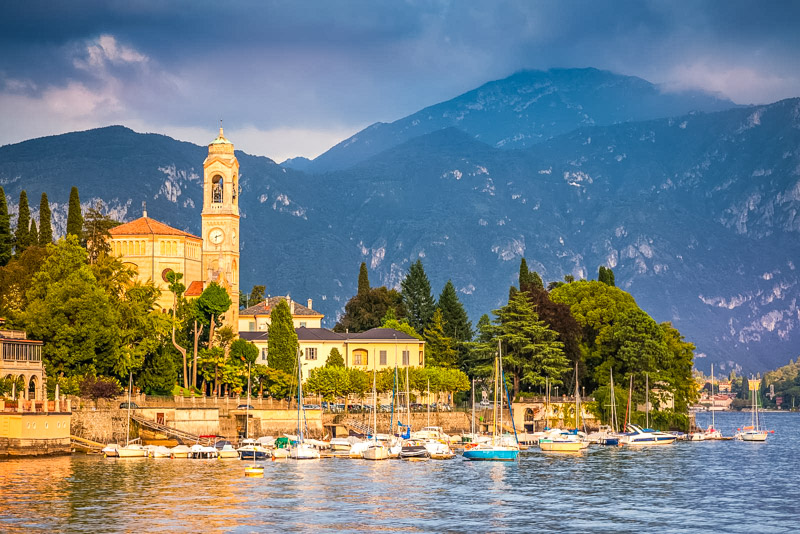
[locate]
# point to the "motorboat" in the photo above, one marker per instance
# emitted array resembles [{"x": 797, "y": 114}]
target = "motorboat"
[
  {"x": 158, "y": 451},
  {"x": 357, "y": 449},
  {"x": 111, "y": 450},
  {"x": 438, "y": 450},
  {"x": 250, "y": 449},
  {"x": 198, "y": 451},
  {"x": 227, "y": 452},
  {"x": 562, "y": 441},
  {"x": 414, "y": 449},
  {"x": 179, "y": 451},
  {"x": 489, "y": 452},
  {"x": 339, "y": 445},
  {"x": 638, "y": 436},
  {"x": 430, "y": 432}
]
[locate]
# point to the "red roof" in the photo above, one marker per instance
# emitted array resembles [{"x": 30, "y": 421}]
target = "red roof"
[
  {"x": 147, "y": 226},
  {"x": 195, "y": 289}
]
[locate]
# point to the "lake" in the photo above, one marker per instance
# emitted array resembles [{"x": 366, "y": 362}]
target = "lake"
[{"x": 729, "y": 486}]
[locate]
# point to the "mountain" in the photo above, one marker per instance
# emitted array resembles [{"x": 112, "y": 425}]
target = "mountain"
[
  {"x": 523, "y": 109},
  {"x": 698, "y": 215}
]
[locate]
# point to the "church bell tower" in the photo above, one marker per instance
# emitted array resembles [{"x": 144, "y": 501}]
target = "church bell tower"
[{"x": 221, "y": 222}]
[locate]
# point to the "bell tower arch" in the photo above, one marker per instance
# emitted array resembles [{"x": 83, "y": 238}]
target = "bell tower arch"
[{"x": 221, "y": 222}]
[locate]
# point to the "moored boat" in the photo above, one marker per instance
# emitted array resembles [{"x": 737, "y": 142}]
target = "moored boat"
[
  {"x": 562, "y": 441},
  {"x": 179, "y": 451},
  {"x": 414, "y": 449},
  {"x": 637, "y": 436},
  {"x": 251, "y": 450}
]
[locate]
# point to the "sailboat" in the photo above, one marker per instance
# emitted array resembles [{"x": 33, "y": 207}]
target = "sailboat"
[
  {"x": 375, "y": 450},
  {"x": 638, "y": 436},
  {"x": 130, "y": 450},
  {"x": 561, "y": 441},
  {"x": 253, "y": 470},
  {"x": 711, "y": 432},
  {"x": 753, "y": 432},
  {"x": 495, "y": 450},
  {"x": 301, "y": 450}
]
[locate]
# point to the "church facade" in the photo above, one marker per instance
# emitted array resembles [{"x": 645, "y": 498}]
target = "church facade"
[{"x": 154, "y": 248}]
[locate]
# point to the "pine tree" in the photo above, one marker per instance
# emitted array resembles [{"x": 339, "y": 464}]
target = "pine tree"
[
  {"x": 6, "y": 239},
  {"x": 23, "y": 232},
  {"x": 34, "y": 233},
  {"x": 536, "y": 280},
  {"x": 334, "y": 359},
  {"x": 439, "y": 346},
  {"x": 45, "y": 225},
  {"x": 160, "y": 374},
  {"x": 457, "y": 323},
  {"x": 282, "y": 345},
  {"x": 363, "y": 280},
  {"x": 605, "y": 275},
  {"x": 416, "y": 292},
  {"x": 74, "y": 215}
]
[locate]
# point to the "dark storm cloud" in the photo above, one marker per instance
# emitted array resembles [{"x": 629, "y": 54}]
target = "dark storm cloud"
[{"x": 337, "y": 66}]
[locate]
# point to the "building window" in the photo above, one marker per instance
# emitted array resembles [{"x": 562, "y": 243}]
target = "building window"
[
  {"x": 264, "y": 355},
  {"x": 311, "y": 353},
  {"x": 251, "y": 326},
  {"x": 406, "y": 358},
  {"x": 360, "y": 357},
  {"x": 217, "y": 184},
  {"x": 302, "y": 324},
  {"x": 383, "y": 357},
  {"x": 421, "y": 358}
]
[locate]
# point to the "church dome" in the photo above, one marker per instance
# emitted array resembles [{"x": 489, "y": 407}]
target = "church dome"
[{"x": 220, "y": 145}]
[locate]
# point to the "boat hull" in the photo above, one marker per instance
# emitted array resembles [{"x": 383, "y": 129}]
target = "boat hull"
[
  {"x": 489, "y": 455},
  {"x": 376, "y": 453},
  {"x": 562, "y": 446},
  {"x": 754, "y": 436},
  {"x": 124, "y": 452},
  {"x": 251, "y": 455}
]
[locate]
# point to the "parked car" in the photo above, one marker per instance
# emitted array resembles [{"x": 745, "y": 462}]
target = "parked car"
[
  {"x": 417, "y": 407},
  {"x": 312, "y": 407},
  {"x": 245, "y": 407},
  {"x": 124, "y": 405}
]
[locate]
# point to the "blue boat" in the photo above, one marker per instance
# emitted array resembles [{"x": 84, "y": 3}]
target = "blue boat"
[{"x": 492, "y": 453}]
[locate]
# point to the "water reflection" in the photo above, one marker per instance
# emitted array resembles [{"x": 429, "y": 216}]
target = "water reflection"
[{"x": 686, "y": 487}]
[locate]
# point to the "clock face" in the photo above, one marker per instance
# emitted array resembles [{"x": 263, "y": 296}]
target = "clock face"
[{"x": 216, "y": 235}]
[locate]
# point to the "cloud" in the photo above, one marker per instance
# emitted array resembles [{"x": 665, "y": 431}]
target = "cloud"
[{"x": 105, "y": 51}]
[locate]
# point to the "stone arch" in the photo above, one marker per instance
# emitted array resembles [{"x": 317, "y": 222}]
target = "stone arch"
[
  {"x": 530, "y": 422},
  {"x": 33, "y": 383},
  {"x": 217, "y": 189}
]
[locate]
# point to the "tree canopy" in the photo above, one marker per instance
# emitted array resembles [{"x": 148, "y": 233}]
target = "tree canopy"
[{"x": 282, "y": 345}]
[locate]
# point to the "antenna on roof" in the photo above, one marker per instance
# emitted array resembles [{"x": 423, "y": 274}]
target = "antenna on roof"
[{"x": 144, "y": 208}]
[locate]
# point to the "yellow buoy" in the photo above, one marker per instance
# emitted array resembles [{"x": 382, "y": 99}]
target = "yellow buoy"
[{"x": 254, "y": 471}]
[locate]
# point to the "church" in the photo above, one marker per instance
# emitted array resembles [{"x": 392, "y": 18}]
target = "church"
[{"x": 155, "y": 248}]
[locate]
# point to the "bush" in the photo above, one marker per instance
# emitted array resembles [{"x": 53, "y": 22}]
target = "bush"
[
  {"x": 67, "y": 385},
  {"x": 100, "y": 387}
]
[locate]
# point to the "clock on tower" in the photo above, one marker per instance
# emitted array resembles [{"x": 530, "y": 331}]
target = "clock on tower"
[{"x": 221, "y": 222}]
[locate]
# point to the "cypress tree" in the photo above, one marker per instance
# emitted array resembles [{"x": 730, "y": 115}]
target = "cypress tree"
[
  {"x": 34, "y": 234},
  {"x": 6, "y": 240},
  {"x": 45, "y": 226},
  {"x": 23, "y": 232},
  {"x": 536, "y": 280},
  {"x": 282, "y": 342},
  {"x": 363, "y": 280},
  {"x": 524, "y": 274},
  {"x": 74, "y": 216},
  {"x": 417, "y": 298}
]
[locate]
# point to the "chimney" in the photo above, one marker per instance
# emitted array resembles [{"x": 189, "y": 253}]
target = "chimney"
[
  {"x": 144, "y": 209},
  {"x": 309, "y": 304},
  {"x": 291, "y": 304}
]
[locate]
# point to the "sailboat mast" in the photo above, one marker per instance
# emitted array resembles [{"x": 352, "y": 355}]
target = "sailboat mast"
[
  {"x": 647, "y": 399},
  {"x": 628, "y": 406},
  {"x": 577, "y": 398},
  {"x": 613, "y": 404},
  {"x": 428, "y": 421},
  {"x": 299, "y": 397},
  {"x": 128, "y": 426},
  {"x": 374, "y": 404},
  {"x": 472, "y": 425},
  {"x": 494, "y": 402},
  {"x": 501, "y": 386},
  {"x": 247, "y": 407},
  {"x": 712, "y": 396}
]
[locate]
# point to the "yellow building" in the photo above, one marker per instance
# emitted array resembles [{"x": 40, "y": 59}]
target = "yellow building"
[
  {"x": 155, "y": 248},
  {"x": 379, "y": 348},
  {"x": 256, "y": 318}
]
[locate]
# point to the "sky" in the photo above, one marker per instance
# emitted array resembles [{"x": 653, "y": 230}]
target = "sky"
[{"x": 293, "y": 78}]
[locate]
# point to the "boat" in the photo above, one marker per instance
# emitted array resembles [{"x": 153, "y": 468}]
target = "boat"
[
  {"x": 179, "y": 451},
  {"x": 753, "y": 432},
  {"x": 158, "y": 451},
  {"x": 132, "y": 449},
  {"x": 414, "y": 450},
  {"x": 299, "y": 449},
  {"x": 339, "y": 444},
  {"x": 226, "y": 452},
  {"x": 198, "y": 451},
  {"x": 638, "y": 436},
  {"x": 557, "y": 440},
  {"x": 111, "y": 450},
  {"x": 439, "y": 450},
  {"x": 250, "y": 449},
  {"x": 494, "y": 450},
  {"x": 376, "y": 450}
]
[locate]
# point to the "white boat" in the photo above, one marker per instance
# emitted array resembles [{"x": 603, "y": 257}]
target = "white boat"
[
  {"x": 250, "y": 449},
  {"x": 227, "y": 452},
  {"x": 179, "y": 451},
  {"x": 132, "y": 450},
  {"x": 202, "y": 452},
  {"x": 111, "y": 450},
  {"x": 158, "y": 451},
  {"x": 645, "y": 437},
  {"x": 301, "y": 450},
  {"x": 753, "y": 432},
  {"x": 376, "y": 451},
  {"x": 339, "y": 444},
  {"x": 438, "y": 450},
  {"x": 562, "y": 441},
  {"x": 711, "y": 432}
]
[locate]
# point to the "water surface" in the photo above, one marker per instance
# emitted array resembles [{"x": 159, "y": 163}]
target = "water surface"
[{"x": 727, "y": 486}]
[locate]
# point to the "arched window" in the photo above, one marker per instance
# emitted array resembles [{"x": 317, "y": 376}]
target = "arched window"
[
  {"x": 360, "y": 357},
  {"x": 217, "y": 188}
]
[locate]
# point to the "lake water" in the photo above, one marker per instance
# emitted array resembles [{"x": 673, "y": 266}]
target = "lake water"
[{"x": 727, "y": 486}]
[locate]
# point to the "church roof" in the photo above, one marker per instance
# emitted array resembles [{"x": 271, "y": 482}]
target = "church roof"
[
  {"x": 265, "y": 308},
  {"x": 147, "y": 226},
  {"x": 195, "y": 289}
]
